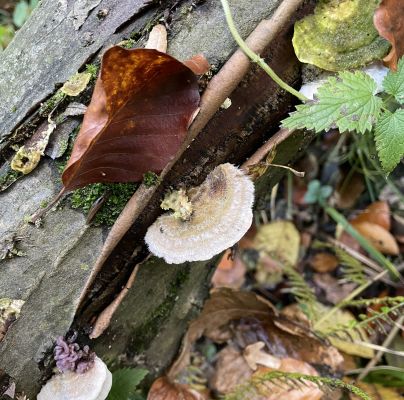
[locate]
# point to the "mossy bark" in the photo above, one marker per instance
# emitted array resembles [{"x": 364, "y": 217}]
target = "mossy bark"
[{"x": 59, "y": 256}]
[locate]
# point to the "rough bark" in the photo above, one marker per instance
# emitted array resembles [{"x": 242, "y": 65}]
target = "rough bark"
[{"x": 148, "y": 326}]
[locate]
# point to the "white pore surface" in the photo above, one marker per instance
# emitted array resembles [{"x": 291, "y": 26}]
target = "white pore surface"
[
  {"x": 222, "y": 214},
  {"x": 95, "y": 384}
]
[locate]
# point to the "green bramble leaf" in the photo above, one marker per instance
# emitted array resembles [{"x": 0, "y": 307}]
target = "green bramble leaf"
[
  {"x": 389, "y": 138},
  {"x": 346, "y": 102},
  {"x": 393, "y": 83},
  {"x": 125, "y": 381}
]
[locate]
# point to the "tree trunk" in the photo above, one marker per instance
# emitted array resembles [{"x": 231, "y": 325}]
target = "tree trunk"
[{"x": 58, "y": 40}]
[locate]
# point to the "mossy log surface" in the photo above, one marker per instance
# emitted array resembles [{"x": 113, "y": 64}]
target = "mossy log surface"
[{"x": 149, "y": 324}]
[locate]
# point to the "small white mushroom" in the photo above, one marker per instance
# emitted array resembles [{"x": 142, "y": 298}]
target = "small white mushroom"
[
  {"x": 94, "y": 384},
  {"x": 221, "y": 215}
]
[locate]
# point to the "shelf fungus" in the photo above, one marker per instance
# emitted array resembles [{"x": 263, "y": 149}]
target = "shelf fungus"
[
  {"x": 82, "y": 375},
  {"x": 217, "y": 215},
  {"x": 339, "y": 35}
]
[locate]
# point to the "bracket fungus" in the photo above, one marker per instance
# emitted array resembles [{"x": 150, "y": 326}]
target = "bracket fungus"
[
  {"x": 94, "y": 384},
  {"x": 221, "y": 215},
  {"x": 339, "y": 35}
]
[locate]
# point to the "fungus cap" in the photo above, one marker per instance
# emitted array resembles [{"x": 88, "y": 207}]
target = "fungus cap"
[
  {"x": 94, "y": 384},
  {"x": 222, "y": 214}
]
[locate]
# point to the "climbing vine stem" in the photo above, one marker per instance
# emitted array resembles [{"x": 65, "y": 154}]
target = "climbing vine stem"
[{"x": 255, "y": 57}]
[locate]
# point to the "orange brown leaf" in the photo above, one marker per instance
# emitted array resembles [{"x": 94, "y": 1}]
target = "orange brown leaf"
[
  {"x": 163, "y": 389},
  {"x": 388, "y": 20},
  {"x": 142, "y": 105}
]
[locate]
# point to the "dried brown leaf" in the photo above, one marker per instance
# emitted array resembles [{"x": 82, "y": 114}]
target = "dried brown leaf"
[
  {"x": 388, "y": 20},
  {"x": 377, "y": 213},
  {"x": 138, "y": 117},
  {"x": 163, "y": 389},
  {"x": 379, "y": 237}
]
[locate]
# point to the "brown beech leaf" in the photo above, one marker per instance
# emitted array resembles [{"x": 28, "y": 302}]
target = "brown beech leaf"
[
  {"x": 377, "y": 213},
  {"x": 379, "y": 237},
  {"x": 142, "y": 105},
  {"x": 163, "y": 389},
  {"x": 388, "y": 20}
]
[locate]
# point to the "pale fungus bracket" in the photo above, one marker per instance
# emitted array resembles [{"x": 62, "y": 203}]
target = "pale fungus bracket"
[
  {"x": 94, "y": 384},
  {"x": 221, "y": 215}
]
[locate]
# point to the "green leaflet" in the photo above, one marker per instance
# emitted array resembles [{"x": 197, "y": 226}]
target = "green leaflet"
[
  {"x": 389, "y": 137},
  {"x": 394, "y": 82},
  {"x": 125, "y": 381},
  {"x": 346, "y": 102}
]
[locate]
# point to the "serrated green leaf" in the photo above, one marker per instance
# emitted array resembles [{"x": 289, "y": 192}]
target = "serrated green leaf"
[
  {"x": 347, "y": 102},
  {"x": 125, "y": 381},
  {"x": 394, "y": 82},
  {"x": 21, "y": 13},
  {"x": 389, "y": 138}
]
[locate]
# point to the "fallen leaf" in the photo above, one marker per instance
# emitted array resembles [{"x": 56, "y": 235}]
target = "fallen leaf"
[
  {"x": 231, "y": 370},
  {"x": 333, "y": 290},
  {"x": 389, "y": 23},
  {"x": 254, "y": 319},
  {"x": 198, "y": 64},
  {"x": 344, "y": 318},
  {"x": 255, "y": 355},
  {"x": 223, "y": 306},
  {"x": 379, "y": 237},
  {"x": 141, "y": 107},
  {"x": 377, "y": 213},
  {"x": 229, "y": 273},
  {"x": 163, "y": 389},
  {"x": 323, "y": 262}
]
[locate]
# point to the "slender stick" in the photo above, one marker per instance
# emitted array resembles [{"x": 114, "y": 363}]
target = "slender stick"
[{"x": 255, "y": 57}]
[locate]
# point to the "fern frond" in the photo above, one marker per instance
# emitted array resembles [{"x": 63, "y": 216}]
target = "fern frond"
[
  {"x": 353, "y": 270},
  {"x": 303, "y": 293},
  {"x": 388, "y": 301},
  {"x": 378, "y": 321},
  {"x": 292, "y": 380}
]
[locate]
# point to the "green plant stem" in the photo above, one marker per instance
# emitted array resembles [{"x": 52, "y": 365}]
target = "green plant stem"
[
  {"x": 375, "y": 254},
  {"x": 255, "y": 57}
]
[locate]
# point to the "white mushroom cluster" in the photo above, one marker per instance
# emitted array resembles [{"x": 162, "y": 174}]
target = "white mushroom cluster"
[
  {"x": 94, "y": 384},
  {"x": 221, "y": 215}
]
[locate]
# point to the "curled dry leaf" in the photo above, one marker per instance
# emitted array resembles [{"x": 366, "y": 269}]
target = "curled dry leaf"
[
  {"x": 141, "y": 107},
  {"x": 254, "y": 320},
  {"x": 198, "y": 64},
  {"x": 255, "y": 355},
  {"x": 388, "y": 20},
  {"x": 163, "y": 389},
  {"x": 221, "y": 215},
  {"x": 231, "y": 370},
  {"x": 223, "y": 306}
]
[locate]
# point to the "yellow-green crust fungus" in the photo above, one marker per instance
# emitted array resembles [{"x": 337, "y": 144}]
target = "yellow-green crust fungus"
[{"x": 339, "y": 35}]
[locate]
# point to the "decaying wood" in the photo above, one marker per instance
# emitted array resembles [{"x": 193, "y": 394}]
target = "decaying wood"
[{"x": 54, "y": 277}]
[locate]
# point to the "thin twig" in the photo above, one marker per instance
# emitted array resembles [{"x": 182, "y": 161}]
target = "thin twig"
[{"x": 377, "y": 357}]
